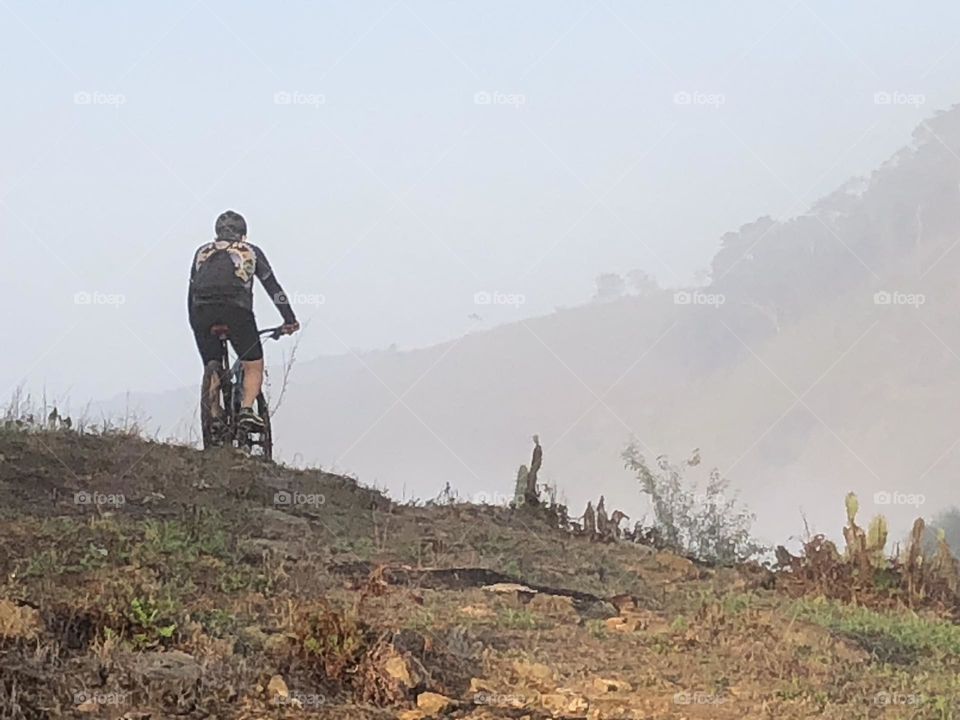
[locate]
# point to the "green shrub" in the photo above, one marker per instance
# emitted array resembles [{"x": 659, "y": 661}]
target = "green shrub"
[{"x": 710, "y": 525}]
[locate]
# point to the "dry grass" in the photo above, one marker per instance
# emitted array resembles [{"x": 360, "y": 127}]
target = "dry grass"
[{"x": 190, "y": 596}]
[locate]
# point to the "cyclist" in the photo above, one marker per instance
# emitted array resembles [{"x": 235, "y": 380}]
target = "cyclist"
[{"x": 221, "y": 293}]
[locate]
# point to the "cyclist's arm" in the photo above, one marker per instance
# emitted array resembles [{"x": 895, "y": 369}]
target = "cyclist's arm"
[
  {"x": 273, "y": 288},
  {"x": 193, "y": 272}
]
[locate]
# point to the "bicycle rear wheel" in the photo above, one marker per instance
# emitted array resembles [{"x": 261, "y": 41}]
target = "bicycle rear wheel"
[{"x": 211, "y": 425}]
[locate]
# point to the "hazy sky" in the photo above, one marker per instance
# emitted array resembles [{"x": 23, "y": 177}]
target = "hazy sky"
[{"x": 395, "y": 158}]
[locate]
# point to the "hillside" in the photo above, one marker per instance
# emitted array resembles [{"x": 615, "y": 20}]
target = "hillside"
[
  {"x": 141, "y": 580},
  {"x": 799, "y": 386}
]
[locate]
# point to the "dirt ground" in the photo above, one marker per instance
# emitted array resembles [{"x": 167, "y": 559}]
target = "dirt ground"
[{"x": 140, "y": 580}]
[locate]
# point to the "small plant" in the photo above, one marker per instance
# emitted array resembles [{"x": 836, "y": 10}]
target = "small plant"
[
  {"x": 710, "y": 525},
  {"x": 218, "y": 622},
  {"x": 335, "y": 641},
  {"x": 512, "y": 567},
  {"x": 145, "y": 615},
  {"x": 597, "y": 628},
  {"x": 45, "y": 564},
  {"x": 515, "y": 619}
]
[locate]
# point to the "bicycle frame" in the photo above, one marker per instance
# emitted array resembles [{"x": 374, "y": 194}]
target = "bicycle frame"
[{"x": 230, "y": 397}]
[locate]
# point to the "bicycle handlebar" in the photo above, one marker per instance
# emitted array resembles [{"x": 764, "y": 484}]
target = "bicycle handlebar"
[{"x": 275, "y": 333}]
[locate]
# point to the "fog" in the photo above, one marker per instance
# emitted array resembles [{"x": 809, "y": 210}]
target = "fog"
[{"x": 439, "y": 186}]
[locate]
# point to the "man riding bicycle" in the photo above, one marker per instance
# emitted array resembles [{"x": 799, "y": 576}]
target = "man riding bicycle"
[{"x": 221, "y": 293}]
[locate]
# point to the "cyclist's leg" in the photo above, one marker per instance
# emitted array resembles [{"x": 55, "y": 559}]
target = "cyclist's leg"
[
  {"x": 211, "y": 351},
  {"x": 252, "y": 381},
  {"x": 246, "y": 343},
  {"x": 211, "y": 380}
]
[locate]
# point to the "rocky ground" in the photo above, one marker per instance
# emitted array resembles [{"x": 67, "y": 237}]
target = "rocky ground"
[{"x": 140, "y": 580}]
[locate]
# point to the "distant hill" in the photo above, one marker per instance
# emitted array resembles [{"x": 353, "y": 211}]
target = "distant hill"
[{"x": 832, "y": 364}]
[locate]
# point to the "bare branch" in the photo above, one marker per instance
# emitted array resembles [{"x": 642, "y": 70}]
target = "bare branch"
[{"x": 288, "y": 363}]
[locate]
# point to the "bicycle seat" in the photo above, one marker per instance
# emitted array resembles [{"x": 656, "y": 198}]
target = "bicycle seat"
[{"x": 220, "y": 330}]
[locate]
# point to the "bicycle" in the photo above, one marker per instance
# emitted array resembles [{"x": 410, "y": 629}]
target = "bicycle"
[{"x": 224, "y": 429}]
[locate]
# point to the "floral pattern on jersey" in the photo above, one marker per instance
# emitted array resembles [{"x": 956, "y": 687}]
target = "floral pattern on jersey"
[{"x": 243, "y": 256}]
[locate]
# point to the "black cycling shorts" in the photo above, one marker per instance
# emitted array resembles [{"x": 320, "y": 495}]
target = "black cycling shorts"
[{"x": 243, "y": 331}]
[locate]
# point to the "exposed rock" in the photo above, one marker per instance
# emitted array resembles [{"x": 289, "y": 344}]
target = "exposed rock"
[
  {"x": 477, "y": 611},
  {"x": 558, "y": 607},
  {"x": 508, "y": 588},
  {"x": 618, "y": 624},
  {"x": 396, "y": 667},
  {"x": 561, "y": 704},
  {"x": 434, "y": 704},
  {"x": 88, "y": 706},
  {"x": 411, "y": 715},
  {"x": 18, "y": 622},
  {"x": 535, "y": 675},
  {"x": 172, "y": 666},
  {"x": 277, "y": 688},
  {"x": 273, "y": 524},
  {"x": 608, "y": 685}
]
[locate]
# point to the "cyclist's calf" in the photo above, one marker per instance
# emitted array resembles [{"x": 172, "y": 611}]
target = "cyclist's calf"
[
  {"x": 252, "y": 381},
  {"x": 211, "y": 387}
]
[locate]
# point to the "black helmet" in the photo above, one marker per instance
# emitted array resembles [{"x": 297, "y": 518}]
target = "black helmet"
[{"x": 231, "y": 226}]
